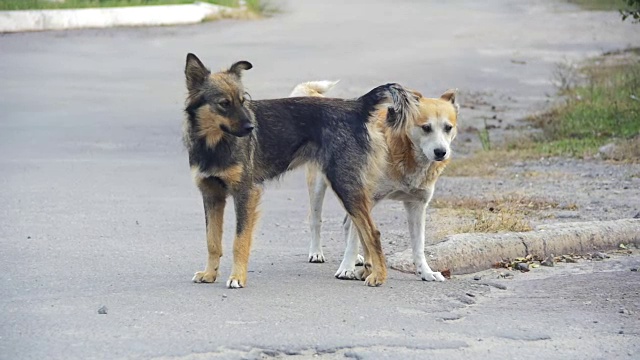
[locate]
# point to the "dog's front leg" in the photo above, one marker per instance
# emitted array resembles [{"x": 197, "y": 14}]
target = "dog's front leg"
[
  {"x": 416, "y": 217},
  {"x": 214, "y": 199},
  {"x": 347, "y": 269},
  {"x": 246, "y": 204}
]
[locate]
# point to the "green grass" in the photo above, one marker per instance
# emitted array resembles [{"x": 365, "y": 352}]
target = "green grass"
[
  {"x": 601, "y": 5},
  {"x": 603, "y": 109},
  {"x": 74, "y": 4}
]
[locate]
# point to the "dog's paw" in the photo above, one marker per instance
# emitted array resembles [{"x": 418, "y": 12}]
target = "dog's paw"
[
  {"x": 205, "y": 277},
  {"x": 374, "y": 280},
  {"x": 235, "y": 282},
  {"x": 360, "y": 260},
  {"x": 316, "y": 258},
  {"x": 363, "y": 273},
  {"x": 346, "y": 274},
  {"x": 431, "y": 276}
]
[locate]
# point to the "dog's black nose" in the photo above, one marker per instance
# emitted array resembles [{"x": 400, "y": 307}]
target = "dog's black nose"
[
  {"x": 439, "y": 153},
  {"x": 248, "y": 127}
]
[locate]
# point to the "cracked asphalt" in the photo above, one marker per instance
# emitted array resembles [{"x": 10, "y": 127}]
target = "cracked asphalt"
[{"x": 98, "y": 208}]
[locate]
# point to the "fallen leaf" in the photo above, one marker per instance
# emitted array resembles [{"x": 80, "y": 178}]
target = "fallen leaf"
[{"x": 446, "y": 273}]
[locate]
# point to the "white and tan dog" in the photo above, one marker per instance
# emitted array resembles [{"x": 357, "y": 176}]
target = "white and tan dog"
[{"x": 417, "y": 152}]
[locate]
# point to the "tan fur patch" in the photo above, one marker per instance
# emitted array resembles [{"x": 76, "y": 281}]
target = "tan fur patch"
[
  {"x": 377, "y": 158},
  {"x": 242, "y": 242},
  {"x": 436, "y": 108},
  {"x": 214, "y": 212},
  {"x": 375, "y": 269},
  {"x": 214, "y": 235},
  {"x": 433, "y": 172},
  {"x": 402, "y": 158},
  {"x": 231, "y": 175},
  {"x": 209, "y": 125},
  {"x": 227, "y": 84}
]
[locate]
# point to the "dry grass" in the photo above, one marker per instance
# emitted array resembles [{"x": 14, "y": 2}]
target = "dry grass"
[
  {"x": 512, "y": 201},
  {"x": 504, "y": 220},
  {"x": 500, "y": 213}
]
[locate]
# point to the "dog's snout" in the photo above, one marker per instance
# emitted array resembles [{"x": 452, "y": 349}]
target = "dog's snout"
[
  {"x": 440, "y": 153},
  {"x": 248, "y": 127}
]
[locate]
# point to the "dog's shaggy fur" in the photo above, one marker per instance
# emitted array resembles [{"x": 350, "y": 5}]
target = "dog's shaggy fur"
[
  {"x": 417, "y": 151},
  {"x": 235, "y": 144}
]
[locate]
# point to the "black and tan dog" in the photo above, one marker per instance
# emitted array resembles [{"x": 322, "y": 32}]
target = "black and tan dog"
[{"x": 235, "y": 144}]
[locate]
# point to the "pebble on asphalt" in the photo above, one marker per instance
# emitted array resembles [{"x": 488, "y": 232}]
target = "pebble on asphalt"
[
  {"x": 548, "y": 261},
  {"x": 599, "y": 256},
  {"x": 102, "y": 310},
  {"x": 524, "y": 267},
  {"x": 505, "y": 275}
]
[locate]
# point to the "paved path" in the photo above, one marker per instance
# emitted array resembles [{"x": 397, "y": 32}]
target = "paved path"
[{"x": 98, "y": 207}]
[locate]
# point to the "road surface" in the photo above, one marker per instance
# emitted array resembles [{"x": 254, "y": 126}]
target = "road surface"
[{"x": 98, "y": 208}]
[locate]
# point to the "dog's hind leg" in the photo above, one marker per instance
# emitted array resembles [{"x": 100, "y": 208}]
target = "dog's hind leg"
[
  {"x": 374, "y": 272},
  {"x": 246, "y": 204},
  {"x": 347, "y": 269},
  {"x": 357, "y": 203},
  {"x": 416, "y": 217},
  {"x": 214, "y": 199},
  {"x": 317, "y": 188}
]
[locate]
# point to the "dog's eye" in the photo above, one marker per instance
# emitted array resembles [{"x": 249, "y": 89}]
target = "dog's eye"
[
  {"x": 224, "y": 103},
  {"x": 426, "y": 128},
  {"x": 448, "y": 128}
]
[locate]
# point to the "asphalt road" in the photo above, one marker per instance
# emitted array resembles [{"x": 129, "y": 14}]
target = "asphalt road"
[{"x": 98, "y": 208}]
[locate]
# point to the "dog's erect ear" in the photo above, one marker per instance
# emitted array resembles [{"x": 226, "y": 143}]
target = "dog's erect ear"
[
  {"x": 450, "y": 96},
  {"x": 195, "y": 72},
  {"x": 416, "y": 94},
  {"x": 237, "y": 68},
  {"x": 392, "y": 117}
]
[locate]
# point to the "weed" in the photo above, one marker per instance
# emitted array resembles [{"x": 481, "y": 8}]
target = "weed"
[
  {"x": 602, "y": 107},
  {"x": 485, "y": 140}
]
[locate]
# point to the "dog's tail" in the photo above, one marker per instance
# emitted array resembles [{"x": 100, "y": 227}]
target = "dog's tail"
[
  {"x": 402, "y": 104},
  {"x": 313, "y": 88}
]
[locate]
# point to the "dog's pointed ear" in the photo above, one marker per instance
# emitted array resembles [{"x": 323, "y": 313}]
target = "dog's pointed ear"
[
  {"x": 392, "y": 117},
  {"x": 450, "y": 96},
  {"x": 195, "y": 72},
  {"x": 237, "y": 68},
  {"x": 416, "y": 94}
]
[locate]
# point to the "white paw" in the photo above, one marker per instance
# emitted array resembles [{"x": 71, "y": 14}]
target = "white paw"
[
  {"x": 360, "y": 260},
  {"x": 431, "y": 276},
  {"x": 346, "y": 274},
  {"x": 316, "y": 257},
  {"x": 234, "y": 284}
]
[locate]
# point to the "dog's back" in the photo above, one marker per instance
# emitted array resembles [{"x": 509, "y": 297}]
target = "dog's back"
[{"x": 296, "y": 130}]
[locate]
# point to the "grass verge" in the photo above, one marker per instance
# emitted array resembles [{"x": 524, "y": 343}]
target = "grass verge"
[
  {"x": 254, "y": 5},
  {"x": 600, "y": 5},
  {"x": 603, "y": 108}
]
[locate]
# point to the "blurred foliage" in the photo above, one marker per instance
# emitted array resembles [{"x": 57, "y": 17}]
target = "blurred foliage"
[
  {"x": 71, "y": 4},
  {"x": 632, "y": 12}
]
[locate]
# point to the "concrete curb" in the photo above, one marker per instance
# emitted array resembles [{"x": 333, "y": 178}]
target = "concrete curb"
[
  {"x": 40, "y": 20},
  {"x": 467, "y": 253}
]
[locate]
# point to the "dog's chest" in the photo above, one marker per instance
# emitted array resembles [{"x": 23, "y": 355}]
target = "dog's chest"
[{"x": 410, "y": 187}]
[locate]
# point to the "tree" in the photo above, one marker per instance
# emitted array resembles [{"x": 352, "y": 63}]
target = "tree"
[{"x": 633, "y": 10}]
